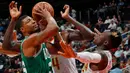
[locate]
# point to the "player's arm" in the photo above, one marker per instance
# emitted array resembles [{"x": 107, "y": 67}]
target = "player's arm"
[
  {"x": 50, "y": 30},
  {"x": 72, "y": 35},
  {"x": 67, "y": 36},
  {"x": 88, "y": 57},
  {"x": 85, "y": 57},
  {"x": 8, "y": 39},
  {"x": 87, "y": 33},
  {"x": 53, "y": 48}
]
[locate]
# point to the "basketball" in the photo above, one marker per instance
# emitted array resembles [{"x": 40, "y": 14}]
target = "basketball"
[{"x": 42, "y": 5}]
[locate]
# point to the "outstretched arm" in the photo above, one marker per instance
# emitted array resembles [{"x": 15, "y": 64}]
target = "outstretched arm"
[
  {"x": 15, "y": 13},
  {"x": 67, "y": 36},
  {"x": 85, "y": 57},
  {"x": 87, "y": 33}
]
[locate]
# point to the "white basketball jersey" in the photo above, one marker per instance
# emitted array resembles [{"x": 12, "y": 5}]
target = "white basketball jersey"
[
  {"x": 63, "y": 65},
  {"x": 86, "y": 68}
]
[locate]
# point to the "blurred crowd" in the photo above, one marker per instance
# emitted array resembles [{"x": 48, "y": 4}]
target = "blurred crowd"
[{"x": 10, "y": 64}]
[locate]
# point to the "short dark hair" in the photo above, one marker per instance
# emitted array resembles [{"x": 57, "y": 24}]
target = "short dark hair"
[
  {"x": 19, "y": 22},
  {"x": 115, "y": 38}
]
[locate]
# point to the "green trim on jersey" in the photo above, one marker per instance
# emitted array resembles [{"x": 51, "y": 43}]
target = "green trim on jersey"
[{"x": 40, "y": 63}]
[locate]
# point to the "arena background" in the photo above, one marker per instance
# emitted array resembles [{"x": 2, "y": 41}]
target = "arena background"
[{"x": 79, "y": 5}]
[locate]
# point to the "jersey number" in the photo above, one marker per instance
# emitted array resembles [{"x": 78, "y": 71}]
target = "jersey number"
[{"x": 55, "y": 62}]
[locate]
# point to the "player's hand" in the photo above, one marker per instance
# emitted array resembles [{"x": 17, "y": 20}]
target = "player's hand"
[
  {"x": 14, "y": 12},
  {"x": 43, "y": 13},
  {"x": 66, "y": 13},
  {"x": 68, "y": 51}
]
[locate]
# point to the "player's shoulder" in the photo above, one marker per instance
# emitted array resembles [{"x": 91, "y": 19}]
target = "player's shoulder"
[
  {"x": 108, "y": 54},
  {"x": 30, "y": 37}
]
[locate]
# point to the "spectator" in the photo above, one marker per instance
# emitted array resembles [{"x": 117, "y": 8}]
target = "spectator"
[
  {"x": 126, "y": 29},
  {"x": 105, "y": 5},
  {"x": 99, "y": 23},
  {"x": 115, "y": 19},
  {"x": 121, "y": 3},
  {"x": 108, "y": 20},
  {"x": 1, "y": 27},
  {"x": 112, "y": 25},
  {"x": 116, "y": 69},
  {"x": 127, "y": 68},
  {"x": 118, "y": 53},
  {"x": 122, "y": 64},
  {"x": 126, "y": 51},
  {"x": 119, "y": 29}
]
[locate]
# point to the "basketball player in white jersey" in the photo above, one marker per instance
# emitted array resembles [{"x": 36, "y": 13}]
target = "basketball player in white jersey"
[
  {"x": 99, "y": 61},
  {"x": 67, "y": 65},
  {"x": 62, "y": 64}
]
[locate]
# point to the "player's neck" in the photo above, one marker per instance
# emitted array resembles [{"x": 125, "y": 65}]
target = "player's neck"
[
  {"x": 100, "y": 48},
  {"x": 26, "y": 34}
]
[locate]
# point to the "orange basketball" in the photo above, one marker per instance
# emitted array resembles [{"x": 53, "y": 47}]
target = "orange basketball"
[{"x": 42, "y": 5}]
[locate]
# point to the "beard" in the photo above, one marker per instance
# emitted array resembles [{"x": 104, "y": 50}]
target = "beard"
[{"x": 36, "y": 31}]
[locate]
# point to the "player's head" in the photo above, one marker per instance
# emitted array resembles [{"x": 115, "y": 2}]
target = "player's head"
[
  {"x": 109, "y": 39},
  {"x": 27, "y": 25},
  {"x": 40, "y": 20}
]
